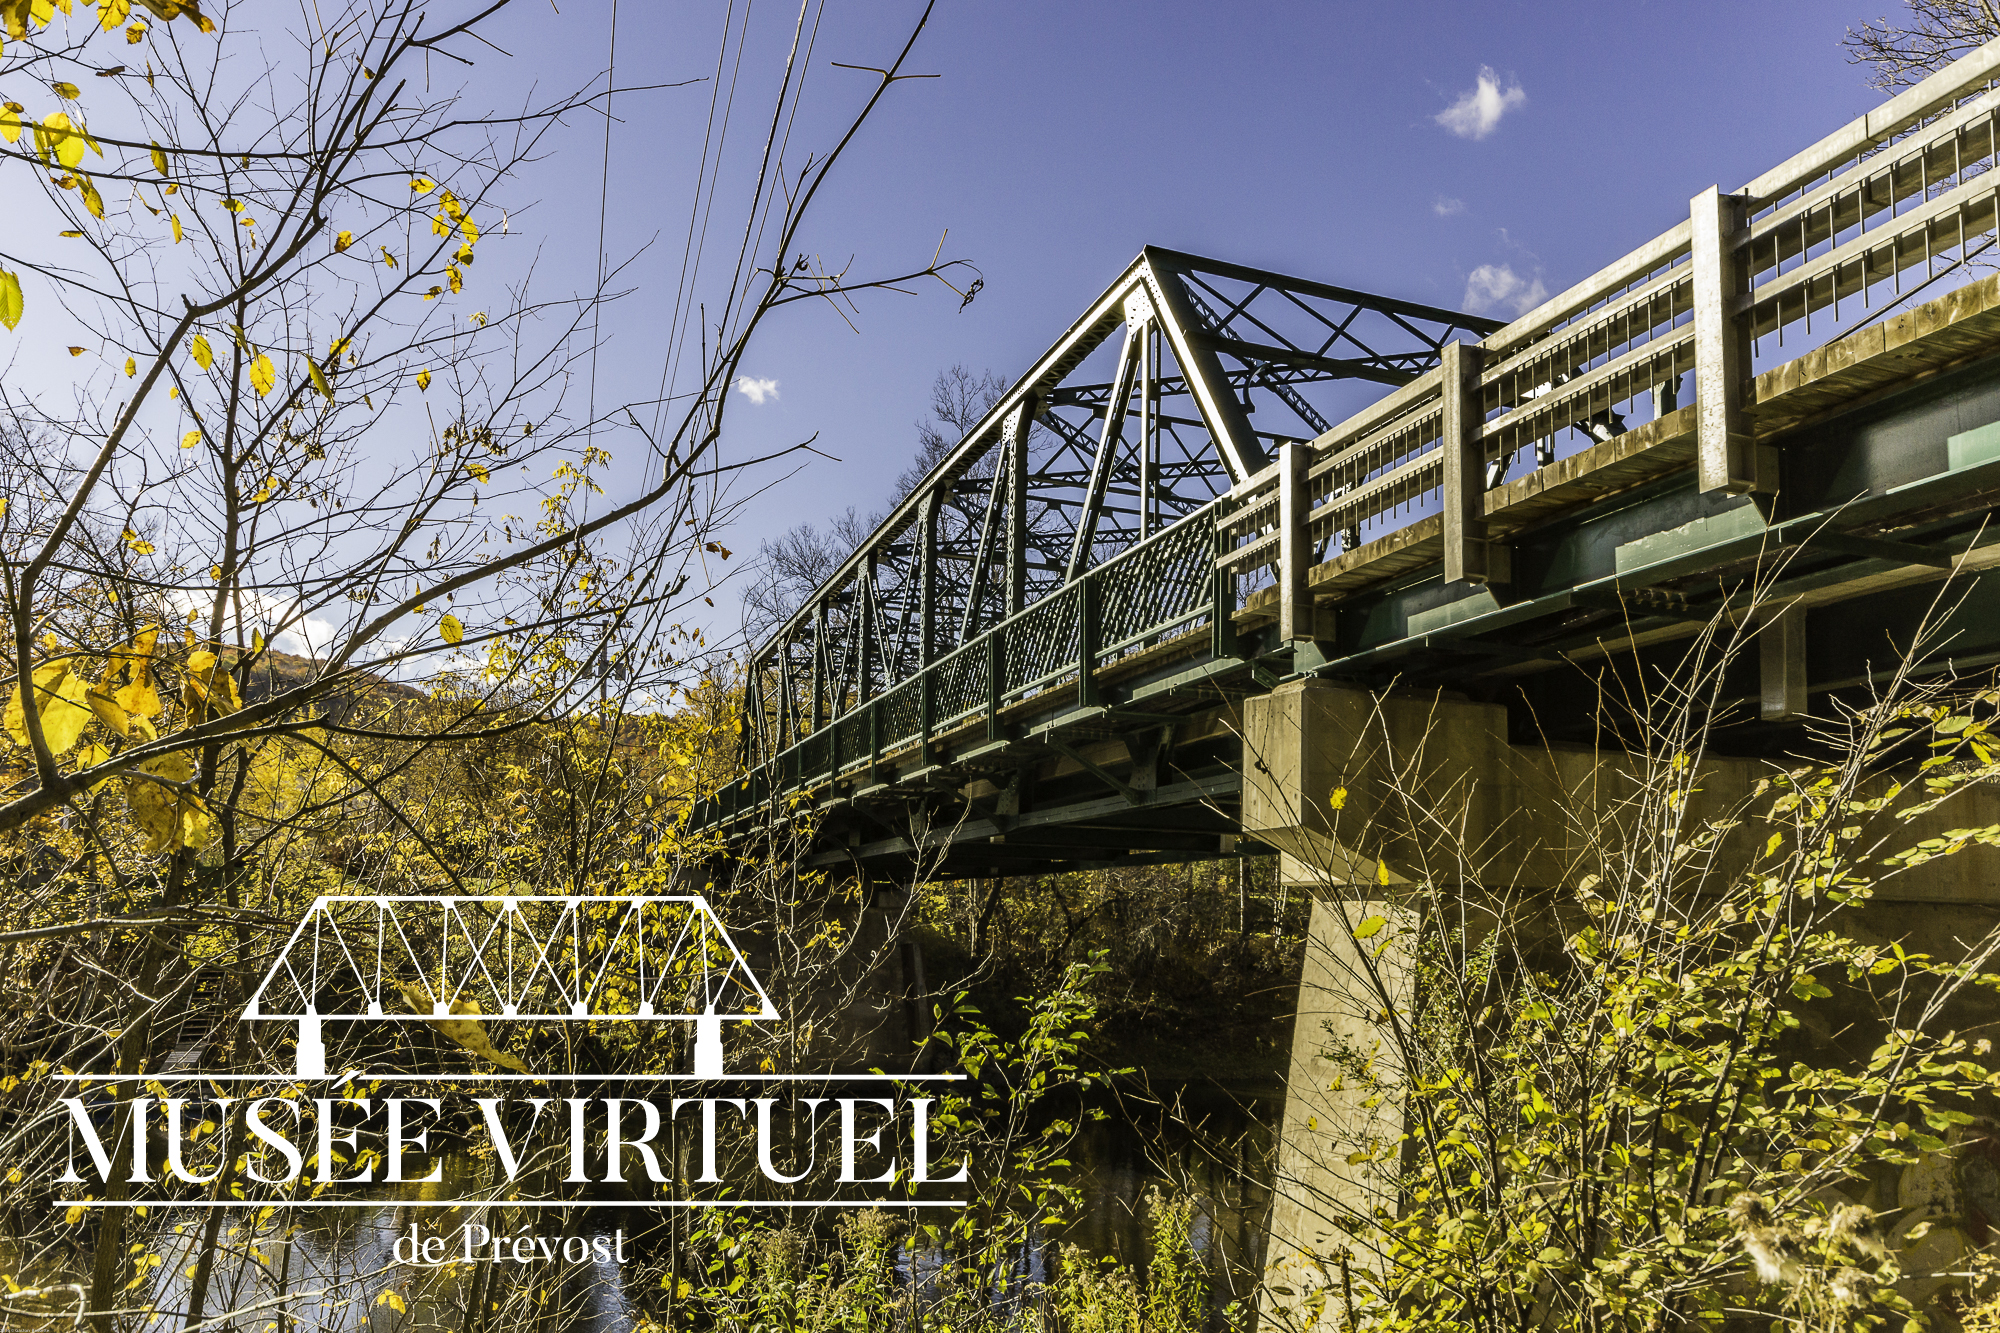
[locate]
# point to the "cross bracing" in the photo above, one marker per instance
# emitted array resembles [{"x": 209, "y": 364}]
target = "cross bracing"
[
  {"x": 509, "y": 956},
  {"x": 1140, "y": 415}
]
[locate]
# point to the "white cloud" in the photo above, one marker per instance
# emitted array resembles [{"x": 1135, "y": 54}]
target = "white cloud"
[
  {"x": 757, "y": 391},
  {"x": 1499, "y": 287},
  {"x": 1480, "y": 107},
  {"x": 1445, "y": 208}
]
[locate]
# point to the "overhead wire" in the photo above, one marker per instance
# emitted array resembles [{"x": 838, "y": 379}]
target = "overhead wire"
[
  {"x": 706, "y": 207},
  {"x": 603, "y": 211}
]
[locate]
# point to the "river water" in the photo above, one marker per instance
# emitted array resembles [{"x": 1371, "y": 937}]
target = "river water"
[{"x": 339, "y": 1270}]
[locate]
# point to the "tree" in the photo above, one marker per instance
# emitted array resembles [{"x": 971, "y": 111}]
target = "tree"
[
  {"x": 300, "y": 414},
  {"x": 794, "y": 566},
  {"x": 1935, "y": 33},
  {"x": 959, "y": 400}
]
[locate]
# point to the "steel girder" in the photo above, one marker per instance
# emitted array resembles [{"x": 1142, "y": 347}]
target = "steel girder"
[{"x": 1076, "y": 463}]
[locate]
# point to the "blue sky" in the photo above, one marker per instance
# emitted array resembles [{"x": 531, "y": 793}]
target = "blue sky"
[
  {"x": 1466, "y": 155},
  {"x": 1299, "y": 137}
]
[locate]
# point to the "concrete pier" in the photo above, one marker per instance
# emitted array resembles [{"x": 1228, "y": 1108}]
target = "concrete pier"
[{"x": 1367, "y": 795}]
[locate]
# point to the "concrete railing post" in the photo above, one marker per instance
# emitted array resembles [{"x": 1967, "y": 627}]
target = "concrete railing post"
[
  {"x": 1297, "y": 616},
  {"x": 1727, "y": 455},
  {"x": 1467, "y": 555}
]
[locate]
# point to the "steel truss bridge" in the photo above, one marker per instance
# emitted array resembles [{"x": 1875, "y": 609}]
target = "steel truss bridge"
[{"x": 1219, "y": 478}]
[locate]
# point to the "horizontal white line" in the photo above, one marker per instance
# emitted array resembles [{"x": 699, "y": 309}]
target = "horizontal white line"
[
  {"x": 511, "y": 1203},
  {"x": 360, "y": 1075}
]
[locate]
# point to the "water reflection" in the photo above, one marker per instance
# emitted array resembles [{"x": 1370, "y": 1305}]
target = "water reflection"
[{"x": 340, "y": 1271}]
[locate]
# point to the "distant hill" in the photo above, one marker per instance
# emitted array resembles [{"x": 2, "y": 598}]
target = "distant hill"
[{"x": 275, "y": 673}]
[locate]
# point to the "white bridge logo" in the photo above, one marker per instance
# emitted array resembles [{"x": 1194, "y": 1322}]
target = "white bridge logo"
[
  {"x": 458, "y": 961},
  {"x": 426, "y": 958}
]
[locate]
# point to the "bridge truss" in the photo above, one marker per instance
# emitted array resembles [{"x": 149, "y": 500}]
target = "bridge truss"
[
  {"x": 545, "y": 958},
  {"x": 1138, "y": 416}
]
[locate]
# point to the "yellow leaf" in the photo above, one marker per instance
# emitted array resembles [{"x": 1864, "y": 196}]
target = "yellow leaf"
[
  {"x": 1338, "y": 800},
  {"x": 451, "y": 271},
  {"x": 423, "y": 380},
  {"x": 64, "y": 142},
  {"x": 203, "y": 357},
  {"x": 159, "y": 159},
  {"x": 177, "y": 228},
  {"x": 69, "y": 92},
  {"x": 342, "y": 241},
  {"x": 191, "y": 439},
  {"x": 319, "y": 379},
  {"x": 1370, "y": 927},
  {"x": 423, "y": 185},
  {"x": 469, "y": 229},
  {"x": 1382, "y": 872},
  {"x": 109, "y": 713},
  {"x": 169, "y": 818},
  {"x": 207, "y": 688},
  {"x": 138, "y": 544},
  {"x": 463, "y": 1027},
  {"x": 1771, "y": 846},
  {"x": 111, "y": 13},
  {"x": 131, "y": 367},
  {"x": 10, "y": 123},
  {"x": 388, "y": 258},
  {"x": 263, "y": 375},
  {"x": 10, "y": 298},
  {"x": 59, "y": 699},
  {"x": 91, "y": 198},
  {"x": 135, "y": 33},
  {"x": 479, "y": 473},
  {"x": 449, "y": 629},
  {"x": 140, "y": 698}
]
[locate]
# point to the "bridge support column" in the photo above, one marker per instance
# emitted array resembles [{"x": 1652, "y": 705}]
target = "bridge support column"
[
  {"x": 1385, "y": 806},
  {"x": 1339, "y": 1142}
]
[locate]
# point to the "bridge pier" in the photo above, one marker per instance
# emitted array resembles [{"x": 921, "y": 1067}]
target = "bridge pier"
[{"x": 1365, "y": 794}]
